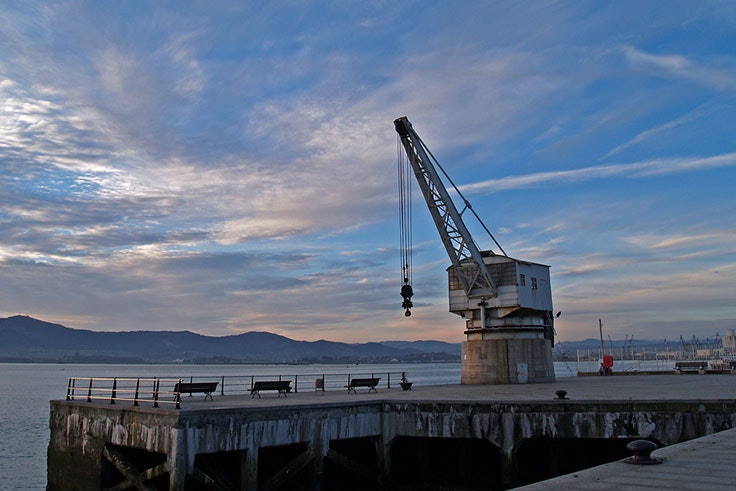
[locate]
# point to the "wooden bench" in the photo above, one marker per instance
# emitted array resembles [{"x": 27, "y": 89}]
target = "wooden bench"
[
  {"x": 690, "y": 366},
  {"x": 363, "y": 382},
  {"x": 191, "y": 387},
  {"x": 282, "y": 386}
]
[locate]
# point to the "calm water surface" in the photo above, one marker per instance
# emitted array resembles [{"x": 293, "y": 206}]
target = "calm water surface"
[{"x": 26, "y": 389}]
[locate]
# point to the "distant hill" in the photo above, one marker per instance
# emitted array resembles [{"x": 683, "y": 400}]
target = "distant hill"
[
  {"x": 25, "y": 339},
  {"x": 426, "y": 346}
]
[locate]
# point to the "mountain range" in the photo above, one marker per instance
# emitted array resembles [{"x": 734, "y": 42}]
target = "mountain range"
[{"x": 25, "y": 339}]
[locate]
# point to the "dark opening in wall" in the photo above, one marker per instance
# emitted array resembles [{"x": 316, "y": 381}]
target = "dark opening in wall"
[
  {"x": 217, "y": 470},
  {"x": 351, "y": 463},
  {"x": 445, "y": 463},
  {"x": 285, "y": 467},
  {"x": 119, "y": 463}
]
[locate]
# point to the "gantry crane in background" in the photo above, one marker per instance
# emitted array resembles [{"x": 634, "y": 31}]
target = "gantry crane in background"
[{"x": 506, "y": 303}]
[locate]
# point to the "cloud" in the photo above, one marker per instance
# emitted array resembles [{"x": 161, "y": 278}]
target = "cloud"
[
  {"x": 630, "y": 171},
  {"x": 681, "y": 67},
  {"x": 233, "y": 168},
  {"x": 679, "y": 242},
  {"x": 645, "y": 135}
]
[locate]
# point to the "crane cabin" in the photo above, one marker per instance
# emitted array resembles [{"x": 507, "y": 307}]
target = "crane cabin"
[{"x": 523, "y": 295}]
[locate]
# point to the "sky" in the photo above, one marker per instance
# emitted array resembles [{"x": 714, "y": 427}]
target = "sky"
[{"x": 225, "y": 167}]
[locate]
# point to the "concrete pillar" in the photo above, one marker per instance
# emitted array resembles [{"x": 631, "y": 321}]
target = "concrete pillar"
[
  {"x": 383, "y": 457},
  {"x": 507, "y": 444},
  {"x": 249, "y": 470},
  {"x": 506, "y": 356},
  {"x": 319, "y": 447},
  {"x": 180, "y": 463}
]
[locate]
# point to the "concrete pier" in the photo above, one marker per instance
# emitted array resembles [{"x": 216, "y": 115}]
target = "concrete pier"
[
  {"x": 432, "y": 437},
  {"x": 702, "y": 463}
]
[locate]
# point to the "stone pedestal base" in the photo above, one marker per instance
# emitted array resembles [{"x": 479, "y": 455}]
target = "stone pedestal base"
[{"x": 506, "y": 356}]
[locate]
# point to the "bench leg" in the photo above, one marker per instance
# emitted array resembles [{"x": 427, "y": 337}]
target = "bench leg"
[
  {"x": 255, "y": 393},
  {"x": 208, "y": 394},
  {"x": 372, "y": 389}
]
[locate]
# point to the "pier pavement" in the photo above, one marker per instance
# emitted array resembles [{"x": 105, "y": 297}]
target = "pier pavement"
[
  {"x": 634, "y": 388},
  {"x": 699, "y": 464}
]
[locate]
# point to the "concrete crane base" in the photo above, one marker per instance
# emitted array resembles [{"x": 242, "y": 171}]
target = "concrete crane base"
[{"x": 506, "y": 356}]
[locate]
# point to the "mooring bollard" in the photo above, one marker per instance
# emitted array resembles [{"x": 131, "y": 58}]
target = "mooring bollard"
[{"x": 642, "y": 450}]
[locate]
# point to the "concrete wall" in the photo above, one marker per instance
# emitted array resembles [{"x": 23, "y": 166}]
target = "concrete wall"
[
  {"x": 81, "y": 431},
  {"x": 506, "y": 356}
]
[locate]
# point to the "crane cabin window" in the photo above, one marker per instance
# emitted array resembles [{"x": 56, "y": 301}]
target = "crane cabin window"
[
  {"x": 503, "y": 273},
  {"x": 522, "y": 279},
  {"x": 534, "y": 283}
]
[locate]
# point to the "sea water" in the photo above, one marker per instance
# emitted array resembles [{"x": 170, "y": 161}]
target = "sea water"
[{"x": 27, "y": 388}]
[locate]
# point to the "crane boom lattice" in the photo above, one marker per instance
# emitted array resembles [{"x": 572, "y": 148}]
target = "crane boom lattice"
[{"x": 464, "y": 254}]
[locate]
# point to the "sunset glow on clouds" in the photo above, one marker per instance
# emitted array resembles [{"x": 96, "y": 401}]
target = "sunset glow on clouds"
[{"x": 232, "y": 168}]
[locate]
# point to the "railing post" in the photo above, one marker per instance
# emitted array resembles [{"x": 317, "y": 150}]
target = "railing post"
[
  {"x": 156, "y": 383},
  {"x": 296, "y": 383},
  {"x": 177, "y": 395},
  {"x": 113, "y": 395},
  {"x": 389, "y": 380},
  {"x": 89, "y": 392},
  {"x": 137, "y": 386},
  {"x": 222, "y": 386},
  {"x": 69, "y": 390}
]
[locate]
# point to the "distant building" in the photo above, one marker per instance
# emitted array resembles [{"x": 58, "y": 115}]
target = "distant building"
[{"x": 729, "y": 340}]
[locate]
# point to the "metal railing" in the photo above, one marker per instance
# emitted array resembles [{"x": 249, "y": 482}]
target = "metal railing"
[
  {"x": 588, "y": 361},
  {"x": 115, "y": 389},
  {"x": 157, "y": 391}
]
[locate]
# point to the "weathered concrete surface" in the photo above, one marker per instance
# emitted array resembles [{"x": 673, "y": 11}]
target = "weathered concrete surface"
[
  {"x": 505, "y": 424},
  {"x": 699, "y": 464},
  {"x": 80, "y": 431},
  {"x": 79, "y": 434},
  {"x": 667, "y": 409},
  {"x": 507, "y": 356}
]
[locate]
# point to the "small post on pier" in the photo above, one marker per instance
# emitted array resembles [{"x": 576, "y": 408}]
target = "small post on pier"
[
  {"x": 137, "y": 386},
  {"x": 156, "y": 383},
  {"x": 114, "y": 395}
]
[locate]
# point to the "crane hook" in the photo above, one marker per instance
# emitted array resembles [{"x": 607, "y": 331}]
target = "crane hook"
[{"x": 407, "y": 292}]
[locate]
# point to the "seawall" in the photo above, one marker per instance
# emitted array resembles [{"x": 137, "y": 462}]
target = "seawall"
[{"x": 432, "y": 437}]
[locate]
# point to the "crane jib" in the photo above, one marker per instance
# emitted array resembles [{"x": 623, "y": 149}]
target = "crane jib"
[
  {"x": 455, "y": 236},
  {"x": 401, "y": 126}
]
